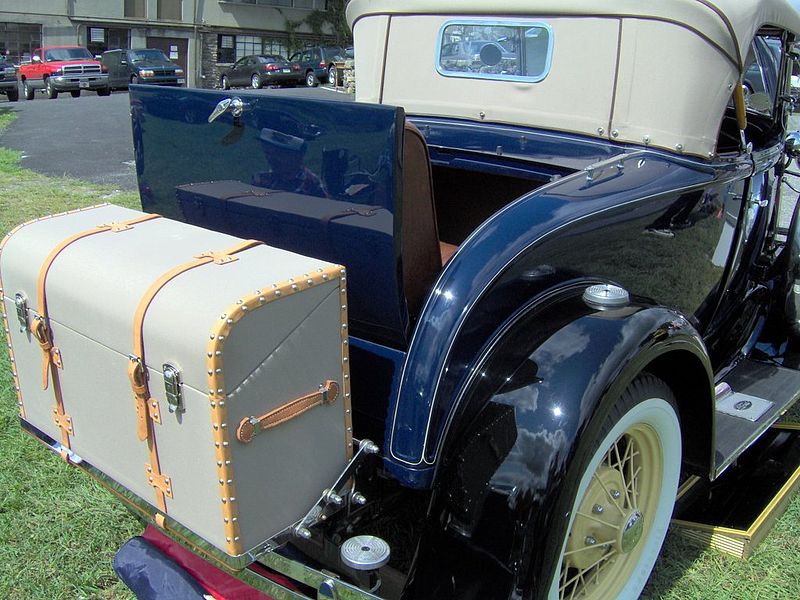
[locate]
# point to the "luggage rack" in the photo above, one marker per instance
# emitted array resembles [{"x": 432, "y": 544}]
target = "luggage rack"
[{"x": 327, "y": 586}]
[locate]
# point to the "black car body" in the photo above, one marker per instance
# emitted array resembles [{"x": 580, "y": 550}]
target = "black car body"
[
  {"x": 259, "y": 70},
  {"x": 8, "y": 80},
  {"x": 318, "y": 63},
  {"x": 143, "y": 65}
]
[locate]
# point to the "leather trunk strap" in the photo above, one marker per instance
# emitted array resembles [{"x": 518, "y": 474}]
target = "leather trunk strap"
[
  {"x": 137, "y": 369},
  {"x": 249, "y": 427},
  {"x": 51, "y": 355}
]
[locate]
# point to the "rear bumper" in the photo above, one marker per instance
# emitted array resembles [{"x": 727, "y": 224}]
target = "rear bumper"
[
  {"x": 273, "y": 575},
  {"x": 283, "y": 78},
  {"x": 171, "y": 571}
]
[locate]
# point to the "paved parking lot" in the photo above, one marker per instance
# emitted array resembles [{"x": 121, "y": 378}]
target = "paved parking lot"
[{"x": 88, "y": 137}]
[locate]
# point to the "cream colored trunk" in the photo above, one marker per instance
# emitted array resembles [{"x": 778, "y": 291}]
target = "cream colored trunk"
[{"x": 248, "y": 333}]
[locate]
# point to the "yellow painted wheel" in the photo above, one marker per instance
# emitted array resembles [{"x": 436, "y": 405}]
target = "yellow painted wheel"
[{"x": 625, "y": 499}]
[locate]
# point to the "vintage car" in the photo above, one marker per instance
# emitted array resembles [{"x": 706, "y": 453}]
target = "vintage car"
[{"x": 568, "y": 288}]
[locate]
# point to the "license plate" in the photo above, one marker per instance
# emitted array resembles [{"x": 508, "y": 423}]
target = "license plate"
[
  {"x": 287, "y": 71},
  {"x": 83, "y": 84},
  {"x": 181, "y": 80}
]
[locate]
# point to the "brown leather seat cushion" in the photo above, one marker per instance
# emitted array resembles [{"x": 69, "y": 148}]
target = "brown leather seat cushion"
[
  {"x": 422, "y": 258},
  {"x": 447, "y": 251}
]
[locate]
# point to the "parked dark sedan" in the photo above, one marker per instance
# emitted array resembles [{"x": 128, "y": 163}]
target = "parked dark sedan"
[
  {"x": 260, "y": 70},
  {"x": 146, "y": 65},
  {"x": 318, "y": 63}
]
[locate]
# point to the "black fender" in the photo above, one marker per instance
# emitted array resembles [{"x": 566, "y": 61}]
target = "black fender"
[
  {"x": 788, "y": 276},
  {"x": 507, "y": 475}
]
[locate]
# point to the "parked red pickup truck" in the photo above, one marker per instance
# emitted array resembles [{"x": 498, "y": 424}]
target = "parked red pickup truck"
[{"x": 63, "y": 69}]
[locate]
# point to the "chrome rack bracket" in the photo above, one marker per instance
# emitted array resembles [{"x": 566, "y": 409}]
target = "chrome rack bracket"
[{"x": 334, "y": 496}]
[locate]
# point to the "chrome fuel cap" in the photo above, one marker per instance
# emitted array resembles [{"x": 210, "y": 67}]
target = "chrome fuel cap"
[
  {"x": 365, "y": 552},
  {"x": 606, "y": 295}
]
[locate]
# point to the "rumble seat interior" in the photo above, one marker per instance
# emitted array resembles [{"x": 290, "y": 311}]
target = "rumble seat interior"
[{"x": 423, "y": 253}]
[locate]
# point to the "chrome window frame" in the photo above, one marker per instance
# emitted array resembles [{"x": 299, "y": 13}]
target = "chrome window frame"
[{"x": 495, "y": 76}]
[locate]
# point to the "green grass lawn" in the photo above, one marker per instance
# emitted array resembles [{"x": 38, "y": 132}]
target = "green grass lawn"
[{"x": 59, "y": 530}]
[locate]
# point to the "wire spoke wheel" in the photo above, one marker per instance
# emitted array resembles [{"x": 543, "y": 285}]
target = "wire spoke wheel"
[{"x": 624, "y": 501}]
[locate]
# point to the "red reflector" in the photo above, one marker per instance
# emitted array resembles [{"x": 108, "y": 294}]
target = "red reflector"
[{"x": 322, "y": 65}]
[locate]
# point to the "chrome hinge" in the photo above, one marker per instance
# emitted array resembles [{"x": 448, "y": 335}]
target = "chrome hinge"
[
  {"x": 21, "y": 304},
  {"x": 172, "y": 387}
]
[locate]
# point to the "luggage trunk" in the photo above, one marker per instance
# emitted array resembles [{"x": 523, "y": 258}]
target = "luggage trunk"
[{"x": 205, "y": 374}]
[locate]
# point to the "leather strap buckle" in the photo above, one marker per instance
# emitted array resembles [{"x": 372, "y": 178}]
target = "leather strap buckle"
[
  {"x": 138, "y": 380},
  {"x": 51, "y": 355}
]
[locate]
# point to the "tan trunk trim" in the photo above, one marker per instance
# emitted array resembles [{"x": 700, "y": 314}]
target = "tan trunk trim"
[
  {"x": 216, "y": 384},
  {"x": 147, "y": 411},
  {"x": 250, "y": 426},
  {"x": 20, "y": 403}
]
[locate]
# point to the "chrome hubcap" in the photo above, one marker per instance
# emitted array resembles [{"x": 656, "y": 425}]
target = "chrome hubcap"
[{"x": 631, "y": 531}]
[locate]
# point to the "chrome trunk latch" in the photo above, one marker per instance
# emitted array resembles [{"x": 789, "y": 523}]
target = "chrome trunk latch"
[
  {"x": 21, "y": 304},
  {"x": 234, "y": 105},
  {"x": 172, "y": 387}
]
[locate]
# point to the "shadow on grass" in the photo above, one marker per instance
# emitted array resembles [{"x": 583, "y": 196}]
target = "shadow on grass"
[{"x": 678, "y": 557}]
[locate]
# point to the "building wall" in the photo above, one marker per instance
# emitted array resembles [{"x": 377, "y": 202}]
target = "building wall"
[
  {"x": 201, "y": 23},
  {"x": 248, "y": 22},
  {"x": 263, "y": 17}
]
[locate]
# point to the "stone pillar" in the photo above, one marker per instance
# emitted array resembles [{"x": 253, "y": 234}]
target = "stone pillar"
[{"x": 211, "y": 72}]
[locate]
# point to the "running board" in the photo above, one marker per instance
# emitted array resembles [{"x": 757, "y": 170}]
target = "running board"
[
  {"x": 737, "y": 511},
  {"x": 749, "y": 400}
]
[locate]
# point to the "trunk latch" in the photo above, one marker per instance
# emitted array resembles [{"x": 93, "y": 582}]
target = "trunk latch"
[
  {"x": 172, "y": 387},
  {"x": 21, "y": 304}
]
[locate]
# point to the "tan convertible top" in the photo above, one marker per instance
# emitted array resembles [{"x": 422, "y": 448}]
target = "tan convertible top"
[
  {"x": 656, "y": 73},
  {"x": 729, "y": 25}
]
